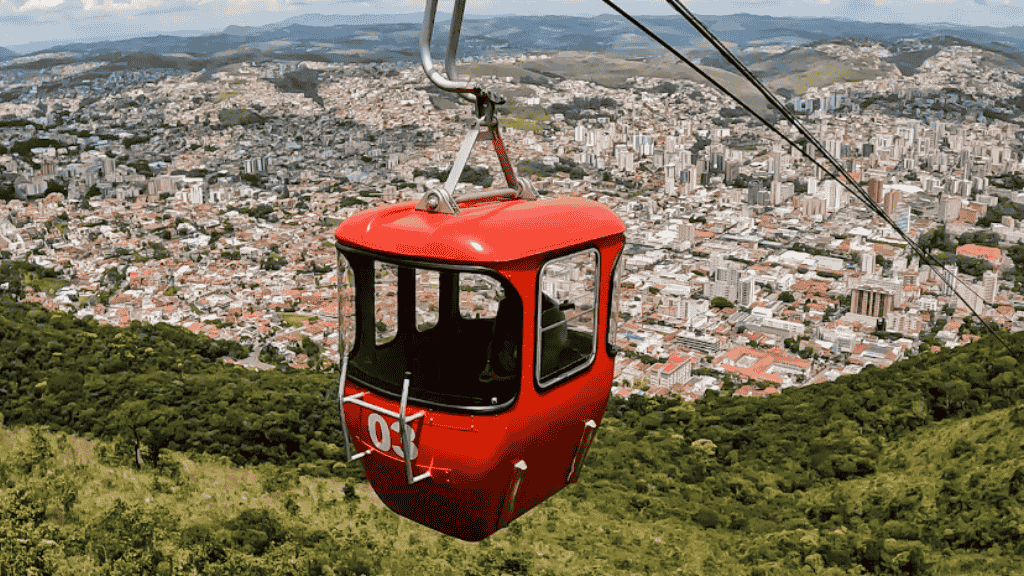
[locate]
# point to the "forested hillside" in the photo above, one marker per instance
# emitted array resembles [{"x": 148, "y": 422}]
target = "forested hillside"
[
  {"x": 159, "y": 387},
  {"x": 917, "y": 469}
]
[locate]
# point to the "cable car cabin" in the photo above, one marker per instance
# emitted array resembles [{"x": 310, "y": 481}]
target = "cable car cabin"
[{"x": 477, "y": 353}]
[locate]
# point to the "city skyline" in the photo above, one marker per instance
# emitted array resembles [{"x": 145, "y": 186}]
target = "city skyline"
[{"x": 29, "y": 25}]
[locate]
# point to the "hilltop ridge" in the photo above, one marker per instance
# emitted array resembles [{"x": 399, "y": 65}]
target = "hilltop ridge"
[{"x": 392, "y": 37}]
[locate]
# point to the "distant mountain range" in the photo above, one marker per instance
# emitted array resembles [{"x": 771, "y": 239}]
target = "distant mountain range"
[
  {"x": 395, "y": 37},
  {"x": 602, "y": 49}
]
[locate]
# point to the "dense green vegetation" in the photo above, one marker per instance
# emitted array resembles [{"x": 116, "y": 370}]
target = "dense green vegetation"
[
  {"x": 569, "y": 166},
  {"x": 159, "y": 387},
  {"x": 1003, "y": 207},
  {"x": 719, "y": 302},
  {"x": 584, "y": 107},
  {"x": 133, "y": 140},
  {"x": 525, "y": 125},
  {"x": 479, "y": 176},
  {"x": 916, "y": 469},
  {"x": 236, "y": 116},
  {"x": 965, "y": 264},
  {"x": 942, "y": 248},
  {"x": 24, "y": 148},
  {"x": 16, "y": 274}
]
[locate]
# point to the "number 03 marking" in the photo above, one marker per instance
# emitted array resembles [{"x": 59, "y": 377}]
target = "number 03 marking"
[{"x": 381, "y": 436}]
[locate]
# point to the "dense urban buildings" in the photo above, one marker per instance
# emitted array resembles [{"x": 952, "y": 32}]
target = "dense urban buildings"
[{"x": 210, "y": 201}]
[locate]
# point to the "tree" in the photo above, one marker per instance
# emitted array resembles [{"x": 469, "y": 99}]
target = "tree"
[
  {"x": 981, "y": 238},
  {"x": 972, "y": 266},
  {"x": 308, "y": 347},
  {"x": 252, "y": 179},
  {"x": 719, "y": 302},
  {"x": 273, "y": 262},
  {"x": 131, "y": 419},
  {"x": 54, "y": 186},
  {"x": 937, "y": 239},
  {"x": 11, "y": 287},
  {"x": 787, "y": 297},
  {"x": 125, "y": 536},
  {"x": 7, "y": 192}
]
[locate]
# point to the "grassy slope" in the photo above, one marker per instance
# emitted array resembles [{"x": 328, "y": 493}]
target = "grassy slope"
[
  {"x": 821, "y": 74},
  {"x": 500, "y": 70},
  {"x": 566, "y": 535},
  {"x": 802, "y": 68},
  {"x": 563, "y": 536},
  {"x": 919, "y": 464},
  {"x": 295, "y": 320},
  {"x": 613, "y": 72},
  {"x": 985, "y": 450}
]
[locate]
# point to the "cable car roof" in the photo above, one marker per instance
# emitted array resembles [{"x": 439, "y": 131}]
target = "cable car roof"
[{"x": 493, "y": 232}]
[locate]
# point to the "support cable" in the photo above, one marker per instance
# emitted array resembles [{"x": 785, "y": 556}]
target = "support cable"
[{"x": 843, "y": 177}]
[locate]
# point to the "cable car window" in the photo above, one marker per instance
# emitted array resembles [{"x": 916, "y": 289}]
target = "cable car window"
[
  {"x": 346, "y": 306},
  {"x": 407, "y": 318},
  {"x": 385, "y": 282},
  {"x": 428, "y": 299},
  {"x": 479, "y": 296},
  {"x": 613, "y": 305},
  {"x": 567, "y": 316}
]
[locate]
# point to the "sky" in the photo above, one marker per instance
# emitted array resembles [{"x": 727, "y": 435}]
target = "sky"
[{"x": 26, "y": 25}]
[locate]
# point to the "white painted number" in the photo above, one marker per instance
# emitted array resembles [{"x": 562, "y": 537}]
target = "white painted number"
[
  {"x": 379, "y": 432},
  {"x": 412, "y": 438},
  {"x": 381, "y": 437}
]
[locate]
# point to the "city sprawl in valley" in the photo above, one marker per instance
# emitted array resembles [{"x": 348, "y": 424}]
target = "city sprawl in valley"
[{"x": 208, "y": 198}]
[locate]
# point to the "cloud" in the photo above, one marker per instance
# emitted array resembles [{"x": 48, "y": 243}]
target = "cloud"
[
  {"x": 854, "y": 8},
  {"x": 1007, "y": 13},
  {"x": 75, "y": 11},
  {"x": 152, "y": 6},
  {"x": 169, "y": 10},
  {"x": 17, "y": 19},
  {"x": 25, "y": 5},
  {"x": 758, "y": 4}
]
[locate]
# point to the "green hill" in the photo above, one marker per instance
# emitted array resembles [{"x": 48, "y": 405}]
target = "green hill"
[
  {"x": 76, "y": 506},
  {"x": 917, "y": 469},
  {"x": 166, "y": 389},
  {"x": 614, "y": 71}
]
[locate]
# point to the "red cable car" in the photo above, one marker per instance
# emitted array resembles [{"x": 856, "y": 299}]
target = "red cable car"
[
  {"x": 477, "y": 338},
  {"x": 489, "y": 332}
]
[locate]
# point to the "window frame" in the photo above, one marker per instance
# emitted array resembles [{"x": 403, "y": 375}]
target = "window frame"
[
  {"x": 614, "y": 303},
  {"x": 346, "y": 345},
  {"x": 378, "y": 341},
  {"x": 423, "y": 264},
  {"x": 468, "y": 315},
  {"x": 561, "y": 377},
  {"x": 420, "y": 301}
]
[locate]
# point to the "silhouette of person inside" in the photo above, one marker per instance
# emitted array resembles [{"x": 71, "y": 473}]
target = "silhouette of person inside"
[{"x": 503, "y": 349}]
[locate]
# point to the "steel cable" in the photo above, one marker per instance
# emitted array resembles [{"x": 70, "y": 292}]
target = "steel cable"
[{"x": 843, "y": 177}]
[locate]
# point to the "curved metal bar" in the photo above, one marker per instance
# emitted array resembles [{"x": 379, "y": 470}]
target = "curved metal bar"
[
  {"x": 453, "y": 46},
  {"x": 488, "y": 194},
  {"x": 342, "y": 399},
  {"x": 447, "y": 84}
]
